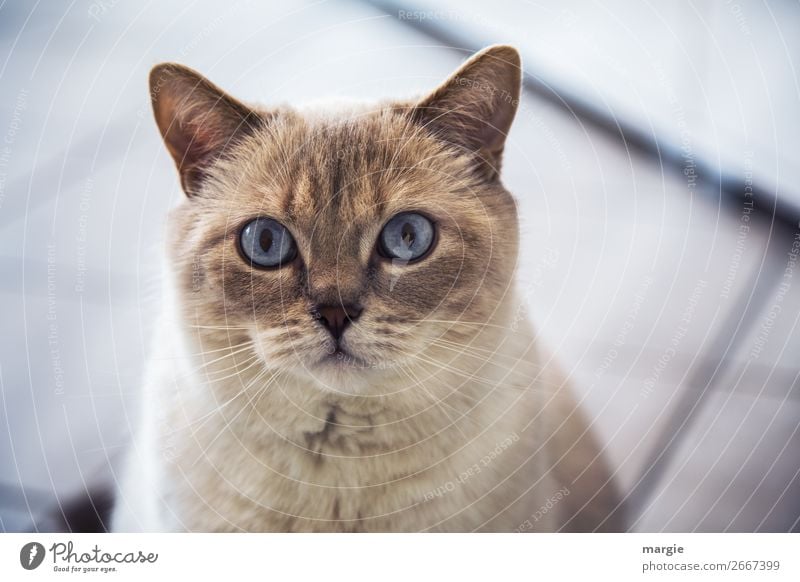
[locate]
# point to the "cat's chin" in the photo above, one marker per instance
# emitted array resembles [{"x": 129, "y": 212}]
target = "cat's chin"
[
  {"x": 343, "y": 371},
  {"x": 343, "y": 361}
]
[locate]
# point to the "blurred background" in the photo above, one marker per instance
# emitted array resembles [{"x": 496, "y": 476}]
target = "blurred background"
[{"x": 655, "y": 157}]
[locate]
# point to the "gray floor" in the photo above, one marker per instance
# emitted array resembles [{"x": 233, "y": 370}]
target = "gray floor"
[{"x": 638, "y": 284}]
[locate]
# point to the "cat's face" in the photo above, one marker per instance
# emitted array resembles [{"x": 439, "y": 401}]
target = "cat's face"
[{"x": 342, "y": 245}]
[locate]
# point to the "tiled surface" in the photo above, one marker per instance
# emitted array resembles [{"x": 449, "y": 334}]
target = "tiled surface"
[{"x": 615, "y": 252}]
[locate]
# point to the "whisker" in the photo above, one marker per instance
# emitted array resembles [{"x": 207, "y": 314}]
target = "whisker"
[
  {"x": 205, "y": 364},
  {"x": 261, "y": 393},
  {"x": 204, "y": 451},
  {"x": 511, "y": 366},
  {"x": 440, "y": 403},
  {"x": 220, "y": 327},
  {"x": 447, "y": 368},
  {"x": 473, "y": 351},
  {"x": 215, "y": 410},
  {"x": 497, "y": 383},
  {"x": 217, "y": 350},
  {"x": 240, "y": 348},
  {"x": 249, "y": 362},
  {"x": 473, "y": 323},
  {"x": 484, "y": 401}
]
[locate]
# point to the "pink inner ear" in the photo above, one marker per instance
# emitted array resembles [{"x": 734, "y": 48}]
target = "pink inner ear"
[
  {"x": 190, "y": 142},
  {"x": 476, "y": 106},
  {"x": 198, "y": 142},
  {"x": 495, "y": 128},
  {"x": 190, "y": 130},
  {"x": 196, "y": 118},
  {"x": 190, "y": 146}
]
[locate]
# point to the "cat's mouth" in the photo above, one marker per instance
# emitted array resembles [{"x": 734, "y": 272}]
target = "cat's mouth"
[{"x": 340, "y": 357}]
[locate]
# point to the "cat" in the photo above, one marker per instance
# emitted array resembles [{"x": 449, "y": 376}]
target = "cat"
[{"x": 339, "y": 348}]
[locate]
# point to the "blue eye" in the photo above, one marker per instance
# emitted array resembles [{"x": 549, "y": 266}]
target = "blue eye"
[
  {"x": 267, "y": 243},
  {"x": 407, "y": 236}
]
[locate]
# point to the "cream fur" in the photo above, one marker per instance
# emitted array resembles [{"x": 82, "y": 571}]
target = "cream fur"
[{"x": 191, "y": 468}]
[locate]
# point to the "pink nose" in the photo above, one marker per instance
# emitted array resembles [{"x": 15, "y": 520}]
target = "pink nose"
[{"x": 336, "y": 318}]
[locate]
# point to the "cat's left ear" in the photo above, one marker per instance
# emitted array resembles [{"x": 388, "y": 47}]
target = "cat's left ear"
[
  {"x": 474, "y": 108},
  {"x": 198, "y": 120}
]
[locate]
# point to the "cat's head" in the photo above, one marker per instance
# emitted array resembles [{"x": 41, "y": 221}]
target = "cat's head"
[{"x": 341, "y": 244}]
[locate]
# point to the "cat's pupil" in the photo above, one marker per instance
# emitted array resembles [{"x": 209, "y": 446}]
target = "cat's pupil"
[
  {"x": 265, "y": 239},
  {"x": 408, "y": 235}
]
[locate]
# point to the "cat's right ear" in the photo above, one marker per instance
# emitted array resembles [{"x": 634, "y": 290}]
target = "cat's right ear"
[
  {"x": 198, "y": 120},
  {"x": 475, "y": 107}
]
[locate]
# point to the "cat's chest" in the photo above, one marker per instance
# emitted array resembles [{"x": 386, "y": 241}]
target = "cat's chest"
[
  {"x": 321, "y": 467},
  {"x": 340, "y": 481},
  {"x": 301, "y": 462},
  {"x": 323, "y": 444}
]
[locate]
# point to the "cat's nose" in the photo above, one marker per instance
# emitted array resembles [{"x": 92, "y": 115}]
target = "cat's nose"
[{"x": 336, "y": 318}]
